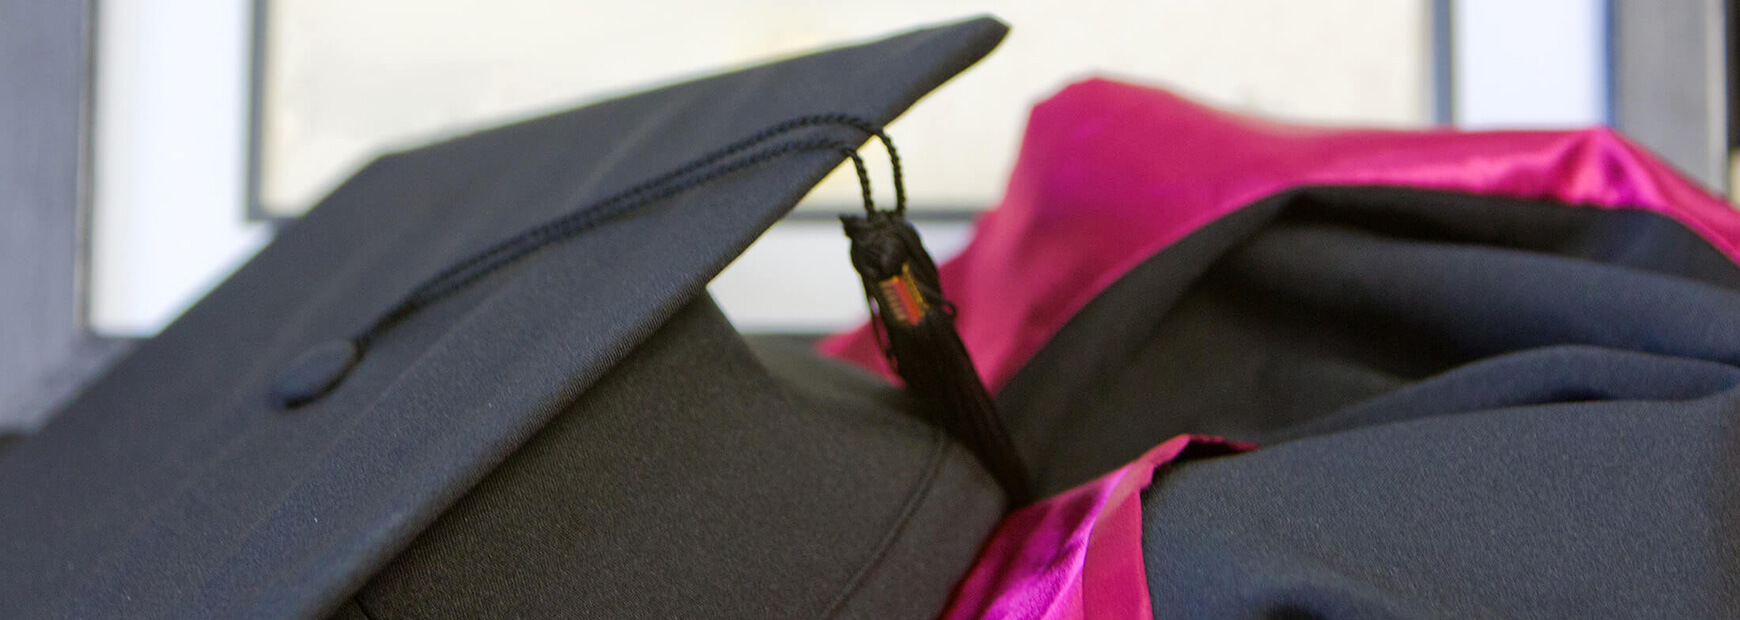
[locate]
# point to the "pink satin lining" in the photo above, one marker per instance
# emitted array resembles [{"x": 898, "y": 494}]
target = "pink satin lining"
[
  {"x": 1076, "y": 555},
  {"x": 1109, "y": 174}
]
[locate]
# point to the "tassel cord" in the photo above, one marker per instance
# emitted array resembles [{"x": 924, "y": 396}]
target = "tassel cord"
[{"x": 696, "y": 172}]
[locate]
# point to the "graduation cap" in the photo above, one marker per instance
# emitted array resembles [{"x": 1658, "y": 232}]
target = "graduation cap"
[
  {"x": 483, "y": 379},
  {"x": 1253, "y": 369}
]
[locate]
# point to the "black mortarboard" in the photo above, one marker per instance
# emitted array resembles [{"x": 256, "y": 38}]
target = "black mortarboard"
[{"x": 574, "y": 432}]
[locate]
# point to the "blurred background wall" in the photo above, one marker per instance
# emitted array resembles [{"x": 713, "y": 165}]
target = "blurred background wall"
[{"x": 148, "y": 147}]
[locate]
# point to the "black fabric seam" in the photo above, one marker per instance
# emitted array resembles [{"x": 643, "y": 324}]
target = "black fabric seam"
[
  {"x": 1289, "y": 193},
  {"x": 920, "y": 493},
  {"x": 360, "y": 607},
  {"x": 1669, "y": 215}
]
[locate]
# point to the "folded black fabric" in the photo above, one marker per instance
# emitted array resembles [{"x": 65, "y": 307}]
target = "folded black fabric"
[{"x": 1468, "y": 406}]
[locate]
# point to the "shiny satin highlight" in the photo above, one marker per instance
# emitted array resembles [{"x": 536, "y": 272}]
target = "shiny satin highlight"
[
  {"x": 1077, "y": 555},
  {"x": 1109, "y": 174}
]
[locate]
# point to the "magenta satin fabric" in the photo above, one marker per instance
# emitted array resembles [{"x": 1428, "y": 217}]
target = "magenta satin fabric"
[
  {"x": 1076, "y": 555},
  {"x": 1109, "y": 174}
]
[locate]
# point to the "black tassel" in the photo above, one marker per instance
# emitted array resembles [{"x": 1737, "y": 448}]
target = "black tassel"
[{"x": 916, "y": 327}]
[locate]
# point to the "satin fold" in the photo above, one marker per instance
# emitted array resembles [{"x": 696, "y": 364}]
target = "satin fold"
[
  {"x": 1110, "y": 174},
  {"x": 1078, "y": 554}
]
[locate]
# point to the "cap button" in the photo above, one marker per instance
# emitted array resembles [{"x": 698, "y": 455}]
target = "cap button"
[{"x": 315, "y": 372}]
